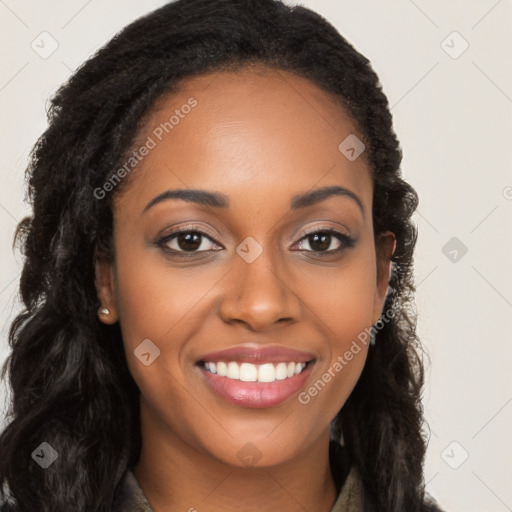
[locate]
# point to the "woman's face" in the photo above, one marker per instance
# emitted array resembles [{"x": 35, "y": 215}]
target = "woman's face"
[{"x": 254, "y": 276}]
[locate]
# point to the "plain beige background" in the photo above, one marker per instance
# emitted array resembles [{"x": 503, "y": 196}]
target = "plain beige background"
[{"x": 445, "y": 67}]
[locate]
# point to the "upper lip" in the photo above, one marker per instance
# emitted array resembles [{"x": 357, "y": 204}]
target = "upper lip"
[{"x": 257, "y": 354}]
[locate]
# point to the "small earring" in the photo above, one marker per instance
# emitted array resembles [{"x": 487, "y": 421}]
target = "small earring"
[{"x": 104, "y": 311}]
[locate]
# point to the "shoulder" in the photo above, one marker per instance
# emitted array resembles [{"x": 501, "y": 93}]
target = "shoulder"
[
  {"x": 429, "y": 504},
  {"x": 352, "y": 496},
  {"x": 129, "y": 495}
]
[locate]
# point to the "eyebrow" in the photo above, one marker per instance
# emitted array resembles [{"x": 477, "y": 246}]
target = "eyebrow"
[{"x": 218, "y": 200}]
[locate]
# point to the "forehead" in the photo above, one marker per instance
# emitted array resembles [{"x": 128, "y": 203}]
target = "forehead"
[{"x": 258, "y": 135}]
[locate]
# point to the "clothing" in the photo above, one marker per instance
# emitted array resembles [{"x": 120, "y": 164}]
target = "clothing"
[
  {"x": 130, "y": 497},
  {"x": 351, "y": 496}
]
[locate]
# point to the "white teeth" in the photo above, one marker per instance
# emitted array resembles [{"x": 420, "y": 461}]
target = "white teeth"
[
  {"x": 266, "y": 373},
  {"x": 247, "y": 372},
  {"x": 233, "y": 371},
  {"x": 281, "y": 371},
  {"x": 222, "y": 368}
]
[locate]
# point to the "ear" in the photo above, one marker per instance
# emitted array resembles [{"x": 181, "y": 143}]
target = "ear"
[
  {"x": 106, "y": 290},
  {"x": 385, "y": 245}
]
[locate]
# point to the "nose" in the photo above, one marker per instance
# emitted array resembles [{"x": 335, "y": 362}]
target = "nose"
[{"x": 260, "y": 294}]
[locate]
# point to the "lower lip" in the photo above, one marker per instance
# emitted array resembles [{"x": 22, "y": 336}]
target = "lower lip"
[{"x": 256, "y": 395}]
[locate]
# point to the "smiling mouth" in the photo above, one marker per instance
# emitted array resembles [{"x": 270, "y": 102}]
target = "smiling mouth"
[
  {"x": 248, "y": 372},
  {"x": 255, "y": 385}
]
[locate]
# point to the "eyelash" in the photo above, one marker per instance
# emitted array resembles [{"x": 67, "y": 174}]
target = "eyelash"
[{"x": 347, "y": 241}]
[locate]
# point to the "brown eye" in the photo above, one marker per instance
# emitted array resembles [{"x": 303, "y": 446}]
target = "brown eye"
[
  {"x": 321, "y": 240},
  {"x": 186, "y": 241},
  {"x": 189, "y": 241}
]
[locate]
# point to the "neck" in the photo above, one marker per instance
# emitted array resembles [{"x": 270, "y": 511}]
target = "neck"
[{"x": 175, "y": 475}]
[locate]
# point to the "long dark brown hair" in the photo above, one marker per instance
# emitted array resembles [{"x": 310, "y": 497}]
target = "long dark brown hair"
[{"x": 70, "y": 383}]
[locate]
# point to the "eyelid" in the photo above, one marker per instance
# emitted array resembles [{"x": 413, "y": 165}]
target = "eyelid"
[
  {"x": 316, "y": 229},
  {"x": 190, "y": 227}
]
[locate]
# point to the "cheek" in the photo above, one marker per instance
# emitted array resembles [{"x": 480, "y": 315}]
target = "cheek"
[
  {"x": 154, "y": 303},
  {"x": 156, "y": 300},
  {"x": 344, "y": 297},
  {"x": 162, "y": 303},
  {"x": 344, "y": 304}
]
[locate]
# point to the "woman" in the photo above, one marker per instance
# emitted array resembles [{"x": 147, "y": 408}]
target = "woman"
[{"x": 217, "y": 278}]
